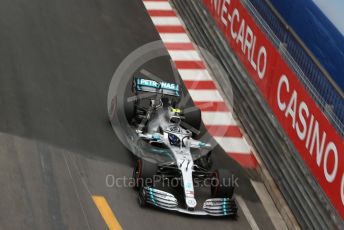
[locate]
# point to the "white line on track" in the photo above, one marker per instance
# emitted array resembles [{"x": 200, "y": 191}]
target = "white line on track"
[
  {"x": 166, "y": 21},
  {"x": 194, "y": 75},
  {"x": 269, "y": 205},
  {"x": 152, "y": 5},
  {"x": 174, "y": 38},
  {"x": 205, "y": 95},
  {"x": 233, "y": 145},
  {"x": 218, "y": 118},
  {"x": 247, "y": 213},
  {"x": 76, "y": 190},
  {"x": 184, "y": 55}
]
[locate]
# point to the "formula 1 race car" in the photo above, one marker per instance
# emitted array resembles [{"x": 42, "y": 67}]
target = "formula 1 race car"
[{"x": 165, "y": 131}]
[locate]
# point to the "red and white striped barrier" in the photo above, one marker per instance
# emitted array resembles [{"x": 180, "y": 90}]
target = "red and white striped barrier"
[{"x": 216, "y": 115}]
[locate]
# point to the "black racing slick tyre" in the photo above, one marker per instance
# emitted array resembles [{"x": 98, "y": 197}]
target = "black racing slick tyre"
[
  {"x": 142, "y": 198},
  {"x": 143, "y": 173},
  {"x": 129, "y": 109},
  {"x": 130, "y": 103},
  {"x": 205, "y": 162},
  {"x": 221, "y": 184}
]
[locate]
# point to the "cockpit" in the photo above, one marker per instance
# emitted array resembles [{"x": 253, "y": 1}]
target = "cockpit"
[{"x": 177, "y": 136}]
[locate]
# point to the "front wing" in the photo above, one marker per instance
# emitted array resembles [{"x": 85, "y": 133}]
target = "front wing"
[{"x": 211, "y": 207}]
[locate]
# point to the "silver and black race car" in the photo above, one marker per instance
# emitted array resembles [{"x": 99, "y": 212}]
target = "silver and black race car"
[{"x": 163, "y": 131}]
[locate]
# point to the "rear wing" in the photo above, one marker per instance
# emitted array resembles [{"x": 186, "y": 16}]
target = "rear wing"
[{"x": 151, "y": 86}]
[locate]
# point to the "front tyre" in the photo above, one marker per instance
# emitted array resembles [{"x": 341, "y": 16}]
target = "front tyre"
[
  {"x": 205, "y": 162},
  {"x": 143, "y": 173},
  {"x": 142, "y": 198},
  {"x": 221, "y": 184}
]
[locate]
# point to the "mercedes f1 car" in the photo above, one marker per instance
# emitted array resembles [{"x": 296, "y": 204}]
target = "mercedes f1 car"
[{"x": 164, "y": 130}]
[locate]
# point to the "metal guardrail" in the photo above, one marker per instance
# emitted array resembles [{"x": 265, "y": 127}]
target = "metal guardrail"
[
  {"x": 304, "y": 196},
  {"x": 315, "y": 78}
]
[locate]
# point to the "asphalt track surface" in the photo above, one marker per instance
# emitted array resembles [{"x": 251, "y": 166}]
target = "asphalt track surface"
[{"x": 57, "y": 58}]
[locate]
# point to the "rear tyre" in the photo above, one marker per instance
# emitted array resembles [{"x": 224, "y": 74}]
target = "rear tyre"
[
  {"x": 129, "y": 109},
  {"x": 221, "y": 184}
]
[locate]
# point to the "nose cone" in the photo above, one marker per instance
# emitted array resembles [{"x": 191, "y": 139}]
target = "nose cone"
[{"x": 191, "y": 203}]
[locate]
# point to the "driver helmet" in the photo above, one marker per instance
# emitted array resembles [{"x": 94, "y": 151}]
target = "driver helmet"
[{"x": 174, "y": 115}]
